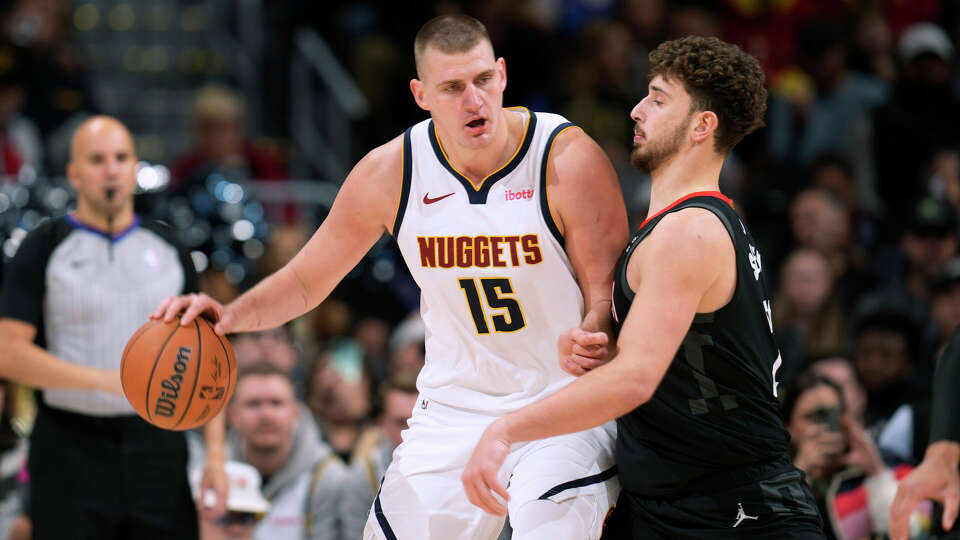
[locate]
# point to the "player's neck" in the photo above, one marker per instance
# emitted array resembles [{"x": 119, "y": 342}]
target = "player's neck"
[
  {"x": 478, "y": 164},
  {"x": 685, "y": 173},
  {"x": 101, "y": 221}
]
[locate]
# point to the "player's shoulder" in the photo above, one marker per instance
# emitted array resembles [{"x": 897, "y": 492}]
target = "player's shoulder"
[
  {"x": 384, "y": 159},
  {"x": 691, "y": 223}
]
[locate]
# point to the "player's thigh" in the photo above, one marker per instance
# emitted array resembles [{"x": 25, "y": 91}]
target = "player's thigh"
[
  {"x": 574, "y": 518},
  {"x": 571, "y": 479},
  {"x": 427, "y": 506}
]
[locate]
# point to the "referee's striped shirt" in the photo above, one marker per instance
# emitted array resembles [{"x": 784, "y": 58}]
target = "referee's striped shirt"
[{"x": 87, "y": 293}]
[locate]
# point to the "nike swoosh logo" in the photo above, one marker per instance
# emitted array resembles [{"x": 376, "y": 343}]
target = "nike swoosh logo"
[{"x": 428, "y": 200}]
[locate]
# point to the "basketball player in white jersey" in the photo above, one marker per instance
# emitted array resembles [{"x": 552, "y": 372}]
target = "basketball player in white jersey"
[{"x": 511, "y": 223}]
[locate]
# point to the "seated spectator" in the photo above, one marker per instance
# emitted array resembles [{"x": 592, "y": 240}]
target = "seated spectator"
[
  {"x": 340, "y": 398},
  {"x": 397, "y": 397},
  {"x": 407, "y": 345},
  {"x": 305, "y": 481},
  {"x": 808, "y": 318},
  {"x": 220, "y": 143},
  {"x": 245, "y": 504},
  {"x": 821, "y": 221},
  {"x": 886, "y": 355},
  {"x": 20, "y": 144},
  {"x": 274, "y": 346},
  {"x": 841, "y": 371},
  {"x": 925, "y": 246},
  {"x": 839, "y": 458}
]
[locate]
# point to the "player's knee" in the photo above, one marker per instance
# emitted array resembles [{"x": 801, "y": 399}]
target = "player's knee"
[{"x": 575, "y": 518}]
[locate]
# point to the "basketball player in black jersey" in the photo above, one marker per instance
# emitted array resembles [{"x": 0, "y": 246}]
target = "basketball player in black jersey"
[{"x": 701, "y": 449}]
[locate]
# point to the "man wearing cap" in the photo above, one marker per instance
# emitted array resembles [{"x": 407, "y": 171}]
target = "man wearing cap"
[
  {"x": 915, "y": 123},
  {"x": 928, "y": 241},
  {"x": 245, "y": 504},
  {"x": 303, "y": 479}
]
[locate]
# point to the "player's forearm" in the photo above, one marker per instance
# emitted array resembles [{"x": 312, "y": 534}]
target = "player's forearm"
[
  {"x": 598, "y": 318},
  {"x": 277, "y": 299},
  {"x": 593, "y": 399},
  {"x": 945, "y": 453},
  {"x": 26, "y": 363}
]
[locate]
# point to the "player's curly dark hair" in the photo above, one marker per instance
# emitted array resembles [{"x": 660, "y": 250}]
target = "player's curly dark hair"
[{"x": 719, "y": 77}]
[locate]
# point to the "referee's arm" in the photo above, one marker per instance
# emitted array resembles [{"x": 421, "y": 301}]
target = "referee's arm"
[
  {"x": 21, "y": 313},
  {"x": 937, "y": 476},
  {"x": 21, "y": 360}
]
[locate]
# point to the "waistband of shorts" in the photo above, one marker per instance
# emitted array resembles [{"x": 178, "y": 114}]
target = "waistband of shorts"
[
  {"x": 86, "y": 421},
  {"x": 724, "y": 481}
]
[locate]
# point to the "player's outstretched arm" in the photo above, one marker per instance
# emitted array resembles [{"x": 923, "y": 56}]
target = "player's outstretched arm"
[
  {"x": 681, "y": 264},
  {"x": 587, "y": 205},
  {"x": 364, "y": 209},
  {"x": 21, "y": 360},
  {"x": 936, "y": 477}
]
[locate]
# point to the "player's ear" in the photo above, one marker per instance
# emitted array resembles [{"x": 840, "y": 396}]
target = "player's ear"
[
  {"x": 416, "y": 88},
  {"x": 705, "y": 124},
  {"x": 502, "y": 68}
]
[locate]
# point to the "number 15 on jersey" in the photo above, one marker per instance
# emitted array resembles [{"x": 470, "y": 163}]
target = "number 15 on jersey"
[{"x": 505, "y": 312}]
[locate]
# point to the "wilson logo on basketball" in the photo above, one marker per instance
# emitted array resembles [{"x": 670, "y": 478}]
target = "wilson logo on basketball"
[{"x": 166, "y": 404}]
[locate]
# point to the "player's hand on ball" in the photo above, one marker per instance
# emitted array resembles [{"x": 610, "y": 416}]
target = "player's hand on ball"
[
  {"x": 480, "y": 477},
  {"x": 191, "y": 306},
  {"x": 580, "y": 351}
]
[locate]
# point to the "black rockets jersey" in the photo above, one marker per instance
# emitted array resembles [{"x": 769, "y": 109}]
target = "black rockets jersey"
[{"x": 714, "y": 421}]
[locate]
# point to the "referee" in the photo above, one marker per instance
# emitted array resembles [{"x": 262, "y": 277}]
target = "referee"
[{"x": 77, "y": 289}]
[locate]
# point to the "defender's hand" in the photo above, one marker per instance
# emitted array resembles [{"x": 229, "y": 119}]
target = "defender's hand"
[
  {"x": 580, "y": 351},
  {"x": 480, "y": 476}
]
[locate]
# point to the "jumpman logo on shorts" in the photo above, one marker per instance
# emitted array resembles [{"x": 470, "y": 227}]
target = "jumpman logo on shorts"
[{"x": 741, "y": 515}]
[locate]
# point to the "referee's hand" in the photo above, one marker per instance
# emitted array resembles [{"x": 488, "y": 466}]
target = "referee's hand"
[{"x": 190, "y": 306}]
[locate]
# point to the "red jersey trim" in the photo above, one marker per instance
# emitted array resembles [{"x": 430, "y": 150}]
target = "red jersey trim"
[{"x": 715, "y": 194}]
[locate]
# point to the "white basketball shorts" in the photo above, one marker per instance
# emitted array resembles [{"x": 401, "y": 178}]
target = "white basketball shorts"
[{"x": 561, "y": 487}]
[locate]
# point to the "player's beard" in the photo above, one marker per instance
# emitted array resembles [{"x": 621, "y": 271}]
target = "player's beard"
[{"x": 658, "y": 152}]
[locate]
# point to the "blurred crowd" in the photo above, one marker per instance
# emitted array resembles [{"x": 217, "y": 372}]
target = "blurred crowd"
[{"x": 852, "y": 190}]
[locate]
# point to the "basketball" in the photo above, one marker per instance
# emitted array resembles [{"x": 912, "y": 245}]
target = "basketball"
[{"x": 178, "y": 377}]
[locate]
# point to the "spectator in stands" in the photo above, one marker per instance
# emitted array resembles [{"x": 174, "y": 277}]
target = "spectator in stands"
[
  {"x": 886, "y": 355},
  {"x": 833, "y": 449},
  {"x": 834, "y": 115},
  {"x": 929, "y": 241},
  {"x": 841, "y": 371},
  {"x": 220, "y": 143},
  {"x": 339, "y": 396},
  {"x": 820, "y": 221},
  {"x": 808, "y": 317},
  {"x": 911, "y": 128},
  {"x": 276, "y": 347},
  {"x": 305, "y": 481},
  {"x": 397, "y": 397},
  {"x": 20, "y": 144}
]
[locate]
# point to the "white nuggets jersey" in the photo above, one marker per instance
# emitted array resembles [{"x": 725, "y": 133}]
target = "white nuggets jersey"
[{"x": 497, "y": 288}]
